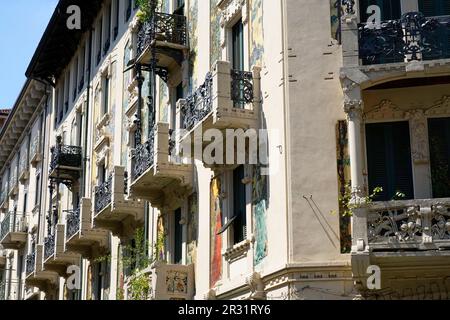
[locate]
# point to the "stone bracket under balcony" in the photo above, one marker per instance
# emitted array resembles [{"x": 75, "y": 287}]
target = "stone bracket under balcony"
[
  {"x": 45, "y": 280},
  {"x": 81, "y": 237},
  {"x": 228, "y": 99},
  {"x": 164, "y": 182},
  {"x": 61, "y": 259},
  {"x": 113, "y": 209},
  {"x": 14, "y": 232}
]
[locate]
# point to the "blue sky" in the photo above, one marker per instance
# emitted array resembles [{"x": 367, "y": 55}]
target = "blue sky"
[{"x": 22, "y": 23}]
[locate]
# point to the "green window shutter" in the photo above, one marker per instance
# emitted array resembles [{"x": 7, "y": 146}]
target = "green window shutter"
[
  {"x": 439, "y": 140},
  {"x": 389, "y": 159}
]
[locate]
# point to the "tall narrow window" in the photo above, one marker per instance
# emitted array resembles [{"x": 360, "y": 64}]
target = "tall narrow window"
[
  {"x": 116, "y": 18},
  {"x": 238, "y": 46},
  {"x": 178, "y": 238},
  {"x": 81, "y": 69},
  {"x": 75, "y": 80},
  {"x": 439, "y": 136},
  {"x": 179, "y": 7},
  {"x": 67, "y": 92},
  {"x": 99, "y": 40},
  {"x": 108, "y": 24},
  {"x": 106, "y": 85},
  {"x": 37, "y": 189},
  {"x": 390, "y": 9},
  {"x": 25, "y": 203},
  {"x": 389, "y": 159},
  {"x": 239, "y": 206},
  {"x": 128, "y": 10}
]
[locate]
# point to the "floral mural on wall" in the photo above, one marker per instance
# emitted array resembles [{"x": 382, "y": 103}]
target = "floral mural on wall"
[
  {"x": 192, "y": 229},
  {"x": 257, "y": 33},
  {"x": 335, "y": 19},
  {"x": 193, "y": 44},
  {"x": 260, "y": 215},
  {"x": 215, "y": 48},
  {"x": 216, "y": 225}
]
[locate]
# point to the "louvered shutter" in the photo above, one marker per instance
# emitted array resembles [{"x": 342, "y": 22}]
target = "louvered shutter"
[
  {"x": 439, "y": 140},
  {"x": 389, "y": 159}
]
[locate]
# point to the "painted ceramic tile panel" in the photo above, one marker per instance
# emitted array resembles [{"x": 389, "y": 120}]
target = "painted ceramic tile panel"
[
  {"x": 260, "y": 202},
  {"x": 216, "y": 50},
  {"x": 216, "y": 225},
  {"x": 164, "y": 101},
  {"x": 193, "y": 44},
  {"x": 125, "y": 97},
  {"x": 177, "y": 282},
  {"x": 192, "y": 232},
  {"x": 257, "y": 33},
  {"x": 335, "y": 18}
]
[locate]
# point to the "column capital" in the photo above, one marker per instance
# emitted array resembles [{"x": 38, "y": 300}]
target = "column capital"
[{"x": 353, "y": 108}]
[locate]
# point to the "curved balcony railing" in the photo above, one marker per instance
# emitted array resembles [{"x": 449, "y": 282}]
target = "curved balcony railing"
[
  {"x": 162, "y": 27},
  {"x": 11, "y": 223},
  {"x": 103, "y": 195},
  {"x": 67, "y": 156},
  {"x": 73, "y": 223},
  {"x": 413, "y": 37},
  {"x": 410, "y": 222},
  {"x": 198, "y": 105},
  {"x": 49, "y": 246},
  {"x": 143, "y": 156},
  {"x": 30, "y": 263}
]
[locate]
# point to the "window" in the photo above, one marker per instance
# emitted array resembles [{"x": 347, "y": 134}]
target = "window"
[
  {"x": 106, "y": 87},
  {"x": 116, "y": 18},
  {"x": 75, "y": 80},
  {"x": 389, "y": 159},
  {"x": 81, "y": 70},
  {"x": 102, "y": 174},
  {"x": 439, "y": 140},
  {"x": 434, "y": 8},
  {"x": 108, "y": 24},
  {"x": 390, "y": 9},
  {"x": 238, "y": 46},
  {"x": 178, "y": 238},
  {"x": 37, "y": 189},
  {"x": 179, "y": 7},
  {"x": 239, "y": 206},
  {"x": 25, "y": 200},
  {"x": 128, "y": 10},
  {"x": 67, "y": 92},
  {"x": 99, "y": 40}
]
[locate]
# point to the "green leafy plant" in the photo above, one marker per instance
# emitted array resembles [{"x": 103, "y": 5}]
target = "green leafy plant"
[
  {"x": 147, "y": 8},
  {"x": 350, "y": 201}
]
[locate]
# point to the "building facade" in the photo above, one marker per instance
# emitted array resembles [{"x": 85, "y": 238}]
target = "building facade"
[{"x": 127, "y": 164}]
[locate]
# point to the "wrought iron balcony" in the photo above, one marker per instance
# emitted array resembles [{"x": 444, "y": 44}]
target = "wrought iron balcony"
[
  {"x": 73, "y": 223},
  {"x": 65, "y": 162},
  {"x": 49, "y": 246},
  {"x": 168, "y": 33},
  {"x": 413, "y": 37},
  {"x": 227, "y": 99},
  {"x": 157, "y": 176},
  {"x": 13, "y": 234},
  {"x": 30, "y": 263},
  {"x": 114, "y": 211},
  {"x": 56, "y": 258},
  {"x": 166, "y": 282},
  {"x": 81, "y": 236},
  {"x": 103, "y": 195}
]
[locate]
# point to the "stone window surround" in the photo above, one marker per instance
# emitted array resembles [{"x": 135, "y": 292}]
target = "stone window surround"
[{"x": 386, "y": 111}]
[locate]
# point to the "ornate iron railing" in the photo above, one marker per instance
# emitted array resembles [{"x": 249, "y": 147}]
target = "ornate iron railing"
[
  {"x": 72, "y": 223},
  {"x": 143, "y": 156},
  {"x": 198, "y": 105},
  {"x": 162, "y": 27},
  {"x": 30, "y": 262},
  {"x": 67, "y": 156},
  {"x": 3, "y": 196},
  {"x": 413, "y": 37},
  {"x": 408, "y": 221},
  {"x": 11, "y": 223},
  {"x": 49, "y": 246},
  {"x": 241, "y": 88},
  {"x": 103, "y": 195}
]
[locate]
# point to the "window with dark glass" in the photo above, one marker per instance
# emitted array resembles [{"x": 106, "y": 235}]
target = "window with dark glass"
[
  {"x": 106, "y": 84},
  {"x": 434, "y": 8},
  {"x": 239, "y": 206},
  {"x": 179, "y": 7},
  {"x": 116, "y": 18},
  {"x": 108, "y": 25},
  {"x": 178, "y": 238},
  {"x": 128, "y": 10},
  {"x": 439, "y": 141},
  {"x": 390, "y": 9},
  {"x": 37, "y": 189},
  {"x": 389, "y": 160}
]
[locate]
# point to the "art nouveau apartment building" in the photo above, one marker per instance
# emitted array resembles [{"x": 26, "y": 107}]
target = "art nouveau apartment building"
[{"x": 96, "y": 181}]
